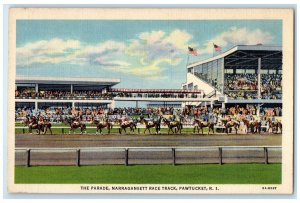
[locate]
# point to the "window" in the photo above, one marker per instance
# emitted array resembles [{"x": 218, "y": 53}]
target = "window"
[
  {"x": 240, "y": 71},
  {"x": 250, "y": 71},
  {"x": 190, "y": 86},
  {"x": 229, "y": 71}
]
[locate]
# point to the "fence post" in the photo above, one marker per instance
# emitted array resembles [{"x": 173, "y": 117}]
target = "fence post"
[
  {"x": 126, "y": 157},
  {"x": 23, "y": 130},
  {"x": 62, "y": 130},
  {"x": 78, "y": 157},
  {"x": 266, "y": 155},
  {"x": 174, "y": 156},
  {"x": 28, "y": 158},
  {"x": 139, "y": 130},
  {"x": 220, "y": 156}
]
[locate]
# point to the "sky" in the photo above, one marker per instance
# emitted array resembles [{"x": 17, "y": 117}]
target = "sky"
[{"x": 143, "y": 54}]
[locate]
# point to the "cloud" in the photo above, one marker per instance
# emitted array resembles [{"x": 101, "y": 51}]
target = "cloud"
[
  {"x": 158, "y": 45},
  {"x": 237, "y": 36},
  {"x": 147, "y": 56}
]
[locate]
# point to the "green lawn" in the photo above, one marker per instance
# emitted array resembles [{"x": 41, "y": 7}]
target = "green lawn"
[{"x": 152, "y": 174}]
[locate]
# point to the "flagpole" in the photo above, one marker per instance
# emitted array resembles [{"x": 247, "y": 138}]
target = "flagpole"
[{"x": 187, "y": 61}]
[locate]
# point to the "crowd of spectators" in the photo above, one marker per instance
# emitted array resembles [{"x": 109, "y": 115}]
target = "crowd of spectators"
[
  {"x": 245, "y": 86},
  {"x": 240, "y": 82},
  {"x": 271, "y": 86},
  {"x": 31, "y": 93}
]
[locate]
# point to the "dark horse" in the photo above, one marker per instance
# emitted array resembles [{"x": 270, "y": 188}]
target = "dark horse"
[
  {"x": 107, "y": 124},
  {"x": 129, "y": 124},
  {"x": 174, "y": 124},
  {"x": 75, "y": 124},
  {"x": 151, "y": 124},
  {"x": 274, "y": 126},
  {"x": 33, "y": 124},
  {"x": 200, "y": 125}
]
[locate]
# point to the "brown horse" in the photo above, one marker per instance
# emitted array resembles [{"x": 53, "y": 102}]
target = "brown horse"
[
  {"x": 200, "y": 125},
  {"x": 75, "y": 124},
  {"x": 231, "y": 124},
  {"x": 33, "y": 125},
  {"x": 151, "y": 124},
  {"x": 274, "y": 126},
  {"x": 45, "y": 126},
  {"x": 255, "y": 126},
  {"x": 101, "y": 125},
  {"x": 129, "y": 124},
  {"x": 174, "y": 124}
]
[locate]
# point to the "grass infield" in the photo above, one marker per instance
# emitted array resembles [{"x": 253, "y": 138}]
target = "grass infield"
[{"x": 152, "y": 174}]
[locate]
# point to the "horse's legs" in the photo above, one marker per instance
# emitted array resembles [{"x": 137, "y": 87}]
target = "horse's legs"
[
  {"x": 172, "y": 130},
  {"x": 50, "y": 131}
]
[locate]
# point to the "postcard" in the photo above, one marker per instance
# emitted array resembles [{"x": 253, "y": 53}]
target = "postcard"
[{"x": 151, "y": 100}]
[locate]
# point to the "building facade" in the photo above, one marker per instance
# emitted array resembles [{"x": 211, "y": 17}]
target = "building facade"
[{"x": 244, "y": 74}]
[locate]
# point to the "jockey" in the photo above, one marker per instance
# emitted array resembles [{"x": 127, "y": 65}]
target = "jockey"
[
  {"x": 77, "y": 121},
  {"x": 41, "y": 120},
  {"x": 33, "y": 121}
]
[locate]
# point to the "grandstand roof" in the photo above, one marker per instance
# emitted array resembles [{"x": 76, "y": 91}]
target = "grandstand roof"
[
  {"x": 66, "y": 80},
  {"x": 247, "y": 53}
]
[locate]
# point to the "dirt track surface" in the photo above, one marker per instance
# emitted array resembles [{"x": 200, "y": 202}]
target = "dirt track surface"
[{"x": 141, "y": 140}]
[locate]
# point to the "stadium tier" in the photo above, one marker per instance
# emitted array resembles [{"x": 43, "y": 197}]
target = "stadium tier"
[
  {"x": 43, "y": 92},
  {"x": 245, "y": 74}
]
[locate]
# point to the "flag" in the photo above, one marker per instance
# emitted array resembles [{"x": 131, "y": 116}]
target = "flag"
[
  {"x": 192, "y": 51},
  {"x": 217, "y": 48}
]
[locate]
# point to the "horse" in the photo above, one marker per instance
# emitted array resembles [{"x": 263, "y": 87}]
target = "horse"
[
  {"x": 199, "y": 124},
  {"x": 255, "y": 126},
  {"x": 231, "y": 124},
  {"x": 274, "y": 126},
  {"x": 129, "y": 124},
  {"x": 33, "y": 124},
  {"x": 174, "y": 124},
  {"x": 107, "y": 124},
  {"x": 46, "y": 125},
  {"x": 74, "y": 125},
  {"x": 151, "y": 124}
]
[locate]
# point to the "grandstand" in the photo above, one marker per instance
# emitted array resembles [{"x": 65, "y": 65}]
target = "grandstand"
[
  {"x": 60, "y": 93},
  {"x": 243, "y": 75}
]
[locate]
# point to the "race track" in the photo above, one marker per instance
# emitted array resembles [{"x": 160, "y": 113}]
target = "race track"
[
  {"x": 145, "y": 140},
  {"x": 91, "y": 152}
]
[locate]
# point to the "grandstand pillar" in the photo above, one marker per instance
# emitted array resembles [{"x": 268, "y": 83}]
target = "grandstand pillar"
[
  {"x": 259, "y": 78},
  {"x": 258, "y": 109},
  {"x": 71, "y": 88},
  {"x": 36, "y": 87},
  {"x": 73, "y": 104},
  {"x": 223, "y": 105},
  {"x": 36, "y": 105},
  {"x": 211, "y": 104},
  {"x": 111, "y": 105}
]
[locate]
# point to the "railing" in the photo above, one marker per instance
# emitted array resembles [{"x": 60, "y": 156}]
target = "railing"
[
  {"x": 68, "y": 98},
  {"x": 211, "y": 94},
  {"x": 148, "y": 155}
]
